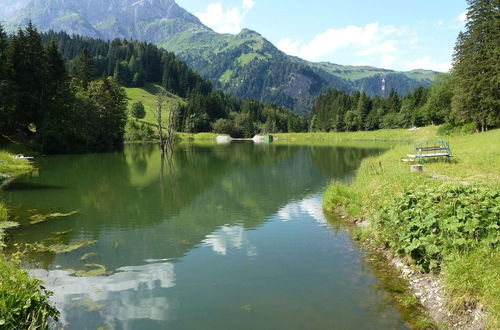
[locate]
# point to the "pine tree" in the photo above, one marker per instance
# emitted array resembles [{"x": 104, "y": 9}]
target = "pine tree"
[
  {"x": 57, "y": 120},
  {"x": 84, "y": 70},
  {"x": 26, "y": 69},
  {"x": 476, "y": 66},
  {"x": 363, "y": 108},
  {"x": 3, "y": 81}
]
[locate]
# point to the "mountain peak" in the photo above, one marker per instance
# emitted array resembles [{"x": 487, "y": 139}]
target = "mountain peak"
[{"x": 149, "y": 20}]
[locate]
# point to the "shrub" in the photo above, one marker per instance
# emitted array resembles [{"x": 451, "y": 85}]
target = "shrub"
[
  {"x": 451, "y": 129},
  {"x": 223, "y": 126},
  {"x": 135, "y": 131},
  {"x": 137, "y": 110},
  {"x": 427, "y": 223},
  {"x": 24, "y": 303}
]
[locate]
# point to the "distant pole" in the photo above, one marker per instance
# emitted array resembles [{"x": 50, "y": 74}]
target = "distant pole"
[{"x": 383, "y": 87}]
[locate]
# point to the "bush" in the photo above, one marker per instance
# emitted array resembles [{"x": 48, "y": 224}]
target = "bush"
[
  {"x": 223, "y": 126},
  {"x": 452, "y": 130},
  {"x": 428, "y": 223},
  {"x": 135, "y": 131},
  {"x": 24, "y": 303},
  {"x": 138, "y": 111}
]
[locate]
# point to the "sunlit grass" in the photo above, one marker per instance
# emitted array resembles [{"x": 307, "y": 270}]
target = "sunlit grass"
[
  {"x": 147, "y": 95},
  {"x": 380, "y": 135},
  {"x": 470, "y": 277}
]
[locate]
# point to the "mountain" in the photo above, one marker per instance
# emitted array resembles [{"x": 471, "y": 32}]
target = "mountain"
[
  {"x": 245, "y": 65},
  {"x": 144, "y": 20}
]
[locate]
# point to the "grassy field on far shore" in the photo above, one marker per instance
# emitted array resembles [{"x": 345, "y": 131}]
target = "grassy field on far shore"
[{"x": 147, "y": 95}]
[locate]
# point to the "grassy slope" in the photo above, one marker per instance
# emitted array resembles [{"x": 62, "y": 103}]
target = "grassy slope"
[
  {"x": 208, "y": 43},
  {"x": 147, "y": 96},
  {"x": 10, "y": 167},
  {"x": 469, "y": 277}
]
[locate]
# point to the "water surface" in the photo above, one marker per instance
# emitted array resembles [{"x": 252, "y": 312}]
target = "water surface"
[{"x": 220, "y": 237}]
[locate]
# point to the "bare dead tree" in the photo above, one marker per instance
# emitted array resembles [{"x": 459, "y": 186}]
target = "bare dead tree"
[
  {"x": 172, "y": 118},
  {"x": 166, "y": 140},
  {"x": 160, "y": 102}
]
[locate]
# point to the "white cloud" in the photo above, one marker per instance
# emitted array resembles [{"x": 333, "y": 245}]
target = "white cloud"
[
  {"x": 427, "y": 63},
  {"x": 289, "y": 46},
  {"x": 310, "y": 205},
  {"x": 387, "y": 60},
  {"x": 368, "y": 39},
  {"x": 229, "y": 237},
  {"x": 126, "y": 295},
  {"x": 383, "y": 48},
  {"x": 438, "y": 23},
  {"x": 458, "y": 22},
  {"x": 248, "y": 4},
  {"x": 225, "y": 20},
  {"x": 462, "y": 17}
]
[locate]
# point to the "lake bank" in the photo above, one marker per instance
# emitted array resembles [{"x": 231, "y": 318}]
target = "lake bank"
[
  {"x": 475, "y": 159},
  {"x": 23, "y": 303},
  {"x": 267, "y": 253},
  {"x": 467, "y": 269}
]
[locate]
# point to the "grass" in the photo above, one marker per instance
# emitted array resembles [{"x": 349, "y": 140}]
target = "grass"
[
  {"x": 147, "y": 95},
  {"x": 380, "y": 135},
  {"x": 471, "y": 273},
  {"x": 205, "y": 137},
  {"x": 24, "y": 304},
  {"x": 11, "y": 167}
]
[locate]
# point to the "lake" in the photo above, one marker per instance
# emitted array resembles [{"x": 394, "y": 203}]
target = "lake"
[{"x": 217, "y": 237}]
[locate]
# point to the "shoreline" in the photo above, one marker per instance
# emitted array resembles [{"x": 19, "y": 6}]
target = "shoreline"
[
  {"x": 382, "y": 179},
  {"x": 374, "y": 175}
]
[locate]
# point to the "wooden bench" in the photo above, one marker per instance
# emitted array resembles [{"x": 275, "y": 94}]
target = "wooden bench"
[{"x": 431, "y": 149}]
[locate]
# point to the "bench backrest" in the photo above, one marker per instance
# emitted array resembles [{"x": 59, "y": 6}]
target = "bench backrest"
[{"x": 420, "y": 148}]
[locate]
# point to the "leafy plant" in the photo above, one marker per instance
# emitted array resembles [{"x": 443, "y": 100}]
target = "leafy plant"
[
  {"x": 24, "y": 302},
  {"x": 429, "y": 223}
]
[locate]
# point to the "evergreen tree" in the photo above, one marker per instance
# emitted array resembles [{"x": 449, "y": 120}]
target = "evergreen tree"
[
  {"x": 437, "y": 110},
  {"x": 84, "y": 70},
  {"x": 109, "y": 104},
  {"x": 26, "y": 66},
  {"x": 363, "y": 108},
  {"x": 477, "y": 66},
  {"x": 56, "y": 124},
  {"x": 3, "y": 81}
]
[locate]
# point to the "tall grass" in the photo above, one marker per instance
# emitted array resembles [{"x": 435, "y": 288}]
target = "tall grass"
[{"x": 470, "y": 270}]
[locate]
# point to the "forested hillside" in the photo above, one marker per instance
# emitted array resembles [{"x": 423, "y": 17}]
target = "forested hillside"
[
  {"x": 64, "y": 92},
  {"x": 245, "y": 65},
  {"x": 467, "y": 99}
]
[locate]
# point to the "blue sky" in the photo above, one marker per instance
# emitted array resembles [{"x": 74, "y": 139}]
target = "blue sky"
[{"x": 399, "y": 35}]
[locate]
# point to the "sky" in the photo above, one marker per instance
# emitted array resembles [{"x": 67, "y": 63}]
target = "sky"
[{"x": 393, "y": 34}]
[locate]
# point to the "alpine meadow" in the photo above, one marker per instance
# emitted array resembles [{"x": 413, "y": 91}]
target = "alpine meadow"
[{"x": 163, "y": 165}]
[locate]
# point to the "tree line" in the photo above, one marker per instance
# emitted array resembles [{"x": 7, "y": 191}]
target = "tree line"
[
  {"x": 342, "y": 112},
  {"x": 64, "y": 93},
  {"x": 131, "y": 63},
  {"x": 57, "y": 110},
  {"x": 468, "y": 96},
  {"x": 134, "y": 63}
]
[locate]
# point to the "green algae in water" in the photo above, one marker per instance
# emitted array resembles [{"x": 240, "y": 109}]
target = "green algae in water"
[
  {"x": 98, "y": 270},
  {"x": 90, "y": 305},
  {"x": 58, "y": 247},
  {"x": 38, "y": 218},
  {"x": 5, "y": 225},
  {"x": 62, "y": 233},
  {"x": 88, "y": 256}
]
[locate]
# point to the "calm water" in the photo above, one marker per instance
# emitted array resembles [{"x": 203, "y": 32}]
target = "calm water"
[{"x": 221, "y": 237}]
